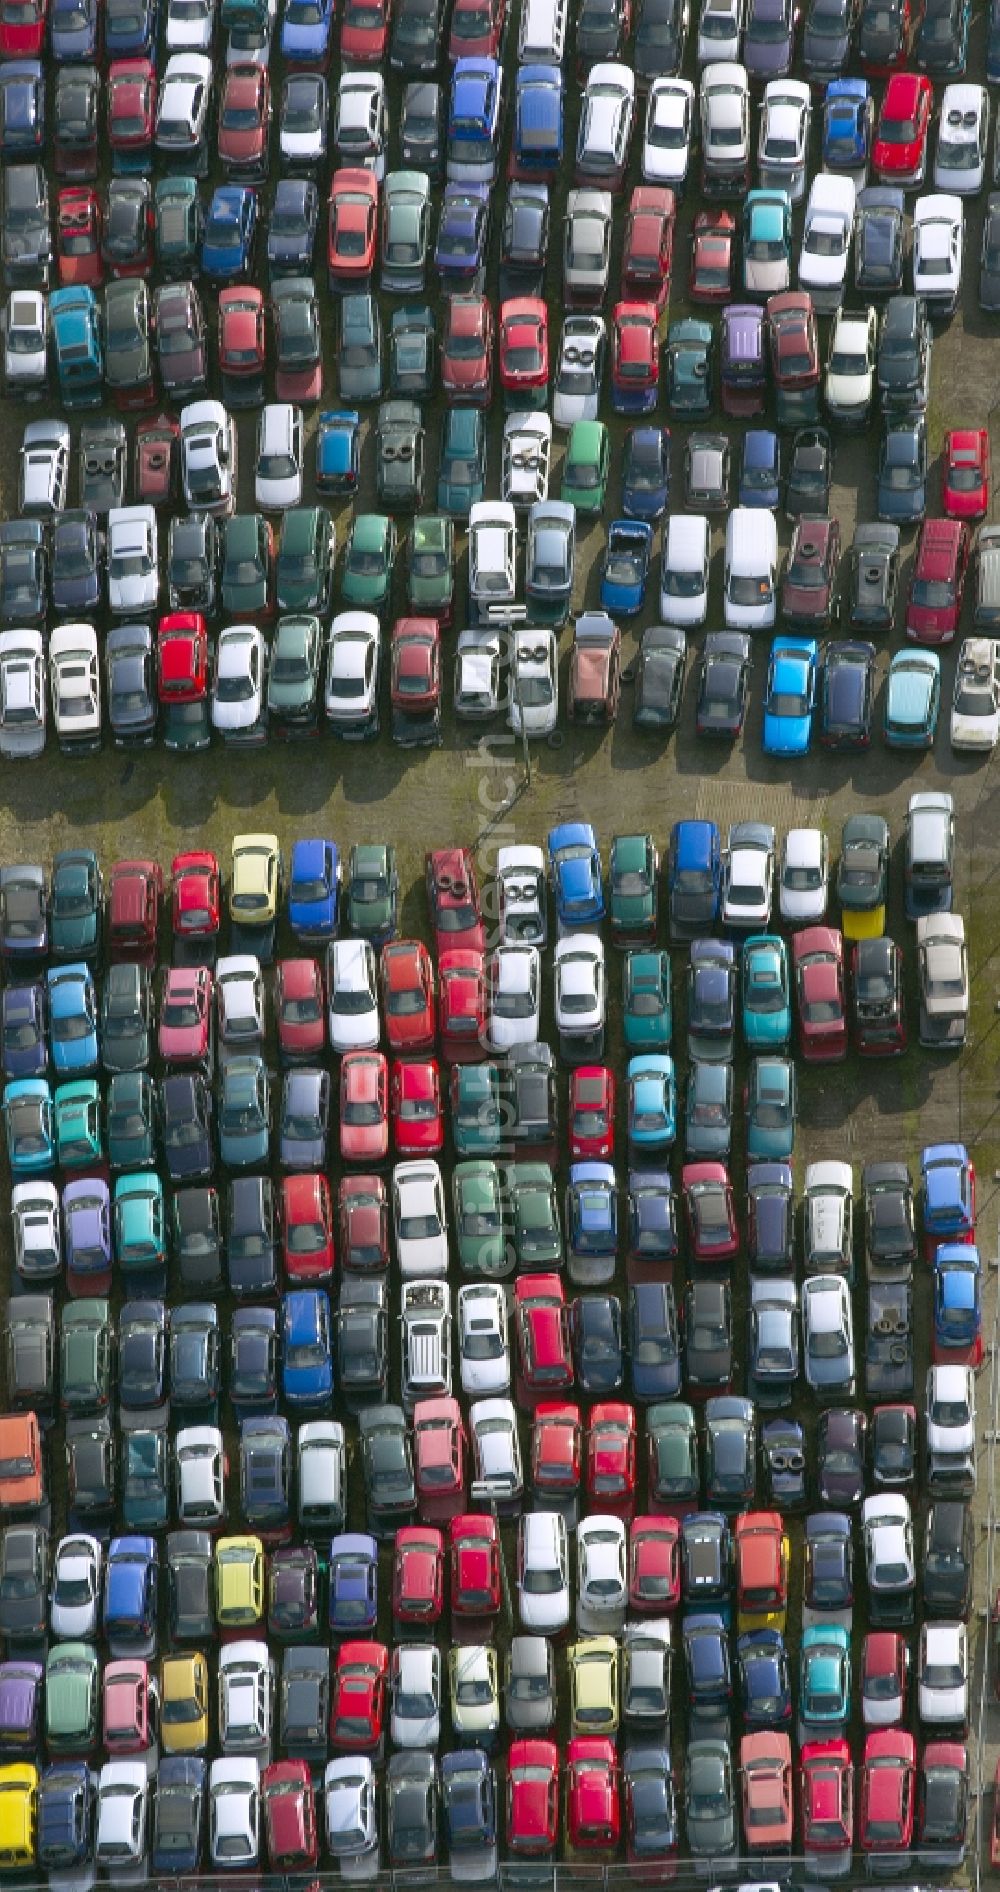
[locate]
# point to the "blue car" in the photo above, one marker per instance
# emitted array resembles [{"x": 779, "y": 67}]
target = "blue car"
[
  {"x": 266, "y": 1474},
  {"x": 627, "y": 557},
  {"x": 29, "y": 1125},
  {"x": 592, "y": 1220},
  {"x": 22, "y": 1030},
  {"x": 353, "y": 1584},
  {"x": 765, "y": 1680},
  {"x": 575, "y": 873},
  {"x": 469, "y": 1808},
  {"x": 948, "y": 1182},
  {"x": 770, "y": 1110},
  {"x": 72, "y": 1001},
  {"x": 539, "y": 111},
  {"x": 227, "y": 242},
  {"x": 64, "y": 1818},
  {"x": 131, "y": 29},
  {"x": 475, "y": 114},
  {"x": 244, "y": 1113},
  {"x": 305, "y": 31},
  {"x": 766, "y": 993},
  {"x": 180, "y": 1798},
  {"x": 760, "y": 469},
  {"x": 77, "y": 346},
  {"x": 694, "y": 878},
  {"x": 463, "y": 232},
  {"x": 706, "y": 1661},
  {"x": 646, "y": 473},
  {"x": 22, "y": 108},
  {"x": 789, "y": 696},
  {"x": 848, "y": 121},
  {"x": 74, "y": 33},
  {"x": 338, "y": 450},
  {"x": 652, "y": 1102},
  {"x": 912, "y": 699},
  {"x": 770, "y": 1216},
  {"x": 824, "y": 1683},
  {"x": 131, "y": 1595},
  {"x": 307, "y": 1350},
  {"x": 313, "y": 890},
  {"x": 958, "y": 1305}
]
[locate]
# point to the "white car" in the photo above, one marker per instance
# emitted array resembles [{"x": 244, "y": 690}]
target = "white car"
[
  {"x": 483, "y": 1347},
  {"x": 668, "y": 131},
  {"x": 783, "y": 140},
  {"x": 587, "y": 246},
  {"x": 804, "y": 880},
  {"x": 353, "y": 666},
  {"x": 580, "y": 991},
  {"x": 419, "y": 1219},
  {"x": 521, "y": 885},
  {"x": 278, "y": 468},
  {"x": 828, "y": 1337},
  {"x": 350, "y": 1816},
  {"x": 604, "y": 128},
  {"x": 75, "y": 1596},
  {"x": 476, "y": 689},
  {"x": 498, "y": 1475},
  {"x": 415, "y": 1695},
  {"x": 474, "y": 1686},
  {"x": 44, "y": 467},
  {"x": 200, "y": 1477},
  {"x": 36, "y": 1215},
  {"x": 938, "y": 236},
  {"x": 492, "y": 546},
  {"x": 75, "y": 687},
  {"x": 975, "y": 707},
  {"x": 942, "y": 980},
  {"x": 515, "y": 992},
  {"x": 133, "y": 560},
  {"x": 246, "y": 1699},
  {"x": 527, "y": 453},
  {"x": 725, "y": 118},
  {"x": 121, "y": 1821},
  {"x": 352, "y": 986},
  {"x": 826, "y": 239},
  {"x": 962, "y": 140},
  {"x": 748, "y": 877},
  {"x": 543, "y": 1572},
  {"x": 828, "y": 1218},
  {"x": 850, "y": 370},
  {"x": 239, "y": 1001},
  {"x": 684, "y": 569},
  {"x": 533, "y": 697},
  {"x": 25, "y": 341},
  {"x": 950, "y": 1418},
  {"x": 887, "y": 1538},
  {"x": 239, "y": 685},
  {"x": 601, "y": 1575},
  {"x": 182, "y": 110},
  {"x": 208, "y": 457},
  {"x": 23, "y": 703},
  {"x": 361, "y": 121},
  {"x": 190, "y": 25},
  {"x": 425, "y": 1324},
  {"x": 234, "y": 1813},
  {"x": 943, "y": 1679},
  {"x": 576, "y": 389},
  {"x": 720, "y": 31}
]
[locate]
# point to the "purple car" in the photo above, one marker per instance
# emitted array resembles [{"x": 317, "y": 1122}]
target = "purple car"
[
  {"x": 20, "y": 1707},
  {"x": 768, "y": 39},
  {"x": 743, "y": 360},
  {"x": 86, "y": 1207},
  {"x": 22, "y": 1031},
  {"x": 463, "y": 233}
]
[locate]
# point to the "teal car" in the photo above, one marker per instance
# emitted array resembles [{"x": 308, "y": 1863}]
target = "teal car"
[
  {"x": 586, "y": 467},
  {"x": 689, "y": 368},
  {"x": 177, "y": 225},
  {"x": 130, "y": 1121},
  {"x": 306, "y": 554},
  {"x": 76, "y": 1109},
  {"x": 145, "y": 1495},
  {"x": 765, "y": 991},
  {"x": 651, "y": 1089},
  {"x": 29, "y": 1126},
  {"x": 770, "y": 1108},
  {"x": 72, "y": 999},
  {"x": 366, "y": 580},
  {"x": 140, "y": 1228},
  {"x": 824, "y": 1683},
  {"x": 77, "y": 905},
  {"x": 477, "y": 1202},
  {"x": 633, "y": 884},
  {"x": 244, "y": 1113},
  {"x": 462, "y": 464},
  {"x": 647, "y": 1010},
  {"x": 475, "y": 1109},
  {"x": 535, "y": 1224},
  {"x": 912, "y": 699}
]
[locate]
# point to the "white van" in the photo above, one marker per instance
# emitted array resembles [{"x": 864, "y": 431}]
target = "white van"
[
  {"x": 684, "y": 569},
  {"x": 751, "y": 580},
  {"x": 542, "y": 36}
]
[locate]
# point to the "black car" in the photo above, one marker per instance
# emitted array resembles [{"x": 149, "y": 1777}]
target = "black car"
[
  {"x": 91, "y": 1471},
  {"x": 889, "y": 1340},
  {"x": 293, "y": 1579},
  {"x": 253, "y": 1361},
  {"x": 903, "y": 363},
  {"x": 304, "y": 115},
  {"x": 186, "y": 1123},
  {"x": 882, "y": 37},
  {"x": 660, "y": 39},
  {"x": 989, "y": 256},
  {"x": 130, "y": 1120},
  {"x": 942, "y": 40},
  {"x": 77, "y": 114},
  {"x": 421, "y": 140},
  {"x": 265, "y": 1473},
  {"x": 181, "y": 342},
  {"x": 840, "y": 1456},
  {"x": 131, "y": 685},
  {"x": 196, "y": 1238},
  {"x": 770, "y": 1217},
  {"x": 193, "y": 563},
  {"x": 29, "y": 1347},
  {"x": 304, "y": 1704},
  {"x": 901, "y": 486},
  {"x": 874, "y": 577},
  {"x": 412, "y": 351},
  {"x": 195, "y": 1357},
  {"x": 783, "y": 1464},
  {"x": 653, "y": 1229},
  {"x": 524, "y": 240},
  {"x": 809, "y": 473},
  {"x": 142, "y": 1354},
  {"x": 76, "y": 563},
  {"x": 411, "y": 1796},
  {"x": 25, "y": 233},
  {"x": 942, "y": 1818},
  {"x": 600, "y": 32},
  {"x": 362, "y": 1365},
  {"x": 711, "y": 1001},
  {"x": 650, "y": 1803},
  {"x": 190, "y": 1586},
  {"x": 252, "y": 1236},
  {"x": 946, "y": 1568},
  {"x": 879, "y": 241},
  {"x": 826, "y": 38},
  {"x": 890, "y": 1228},
  {"x": 646, "y": 472},
  {"x": 24, "y": 1583},
  {"x": 653, "y": 1341},
  {"x": 291, "y": 231},
  {"x": 128, "y": 216},
  {"x": 415, "y": 39},
  {"x": 993, "y": 42},
  {"x": 178, "y": 1815},
  {"x": 846, "y": 691},
  {"x": 660, "y": 669},
  {"x": 706, "y": 1560},
  {"x": 828, "y": 1579},
  {"x": 596, "y": 1336},
  {"x": 708, "y": 1334},
  {"x": 532, "y": 1095},
  {"x": 23, "y": 572},
  {"x": 102, "y": 463},
  {"x": 387, "y": 1470},
  {"x": 126, "y": 1018},
  {"x": 724, "y": 684}
]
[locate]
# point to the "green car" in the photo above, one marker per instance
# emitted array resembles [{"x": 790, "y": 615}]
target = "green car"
[
  {"x": 430, "y": 566},
  {"x": 462, "y": 464},
  {"x": 307, "y": 552},
  {"x": 76, "y": 1110},
  {"x": 534, "y": 1214},
  {"x": 475, "y": 1108},
  {"x": 585, "y": 468},
  {"x": 85, "y": 1357},
  {"x": 145, "y": 1500},
  {"x": 674, "y": 1475},
  {"x": 293, "y": 678},
  {"x": 246, "y": 566},
  {"x": 130, "y": 1120},
  {"x": 400, "y": 456},
  {"x": 646, "y": 1001},
  {"x": 368, "y": 561},
  {"x": 633, "y": 881},
  {"x": 72, "y": 1699},
  {"x": 371, "y": 892},
  {"x": 177, "y": 222},
  {"x": 77, "y": 905},
  {"x": 140, "y": 1228},
  {"x": 689, "y": 368},
  {"x": 478, "y": 1207}
]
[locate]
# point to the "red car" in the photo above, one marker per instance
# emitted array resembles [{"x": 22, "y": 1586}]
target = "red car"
[
  {"x": 186, "y": 1016},
  {"x": 532, "y": 1798},
  {"x": 710, "y": 1212},
  {"x": 364, "y": 1107},
  {"x": 357, "y": 1707},
  {"x": 766, "y": 1776},
  {"x": 544, "y": 1355},
  {"x": 794, "y": 341},
  {"x": 467, "y": 350},
  {"x": 307, "y": 1229},
  {"x": 135, "y": 892},
  {"x": 556, "y": 1457},
  {"x": 128, "y": 1710},
  {"x": 879, "y": 1031},
  {"x": 654, "y": 1565},
  {"x": 439, "y": 1459},
  {"x": 407, "y": 980},
  {"x": 712, "y": 244},
  {"x": 78, "y": 237},
  {"x": 462, "y": 1006},
  {"x": 300, "y": 1009},
  {"x": 937, "y": 585},
  {"x": 289, "y": 1803},
  {"x": 196, "y": 900},
  {"x": 363, "y": 1219},
  {"x": 417, "y": 1112},
  {"x": 821, "y": 1001},
  {"x": 885, "y": 1678},
  {"x": 966, "y": 488},
  {"x": 524, "y": 351},
  {"x": 635, "y": 357},
  {"x": 593, "y": 1795},
  {"x": 611, "y": 1459},
  {"x": 887, "y": 1795},
  {"x": 762, "y": 1559},
  {"x": 592, "y": 1112},
  {"x": 476, "y": 1582},
  {"x": 131, "y": 96},
  {"x": 826, "y": 1802},
  {"x": 943, "y": 1794},
  {"x": 244, "y": 121},
  {"x": 418, "y": 1575},
  {"x": 182, "y": 666},
  {"x": 415, "y": 679},
  {"x": 648, "y": 255},
  {"x": 477, "y": 29},
  {"x": 364, "y": 31},
  {"x": 157, "y": 454},
  {"x": 899, "y": 152},
  {"x": 22, "y": 28},
  {"x": 453, "y": 899},
  {"x": 242, "y": 343},
  {"x": 352, "y": 228}
]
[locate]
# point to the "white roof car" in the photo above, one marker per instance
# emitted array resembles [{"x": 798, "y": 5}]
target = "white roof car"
[
  {"x": 23, "y": 706},
  {"x": 133, "y": 559},
  {"x": 234, "y": 1812},
  {"x": 304, "y": 124},
  {"x": 950, "y": 1409},
  {"x": 748, "y": 876},
  {"x": 515, "y": 987},
  {"x": 587, "y": 245},
  {"x": 493, "y": 546},
  {"x": 828, "y": 1218},
  {"x": 669, "y": 125},
  {"x": 352, "y": 987},
  {"x": 943, "y": 980},
  {"x": 25, "y": 340},
  {"x": 474, "y": 1686},
  {"x": 75, "y": 1596},
  {"x": 321, "y": 1475},
  {"x": 850, "y": 371},
  {"x": 887, "y": 1536},
  {"x": 826, "y": 239},
  {"x": 527, "y": 451},
  {"x": 543, "y": 1572},
  {"x": 37, "y": 1217},
  {"x": 521, "y": 883},
  {"x": 476, "y": 690},
  {"x": 349, "y": 1810},
  {"x": 725, "y": 115},
  {"x": 605, "y": 124},
  {"x": 576, "y": 389},
  {"x": 208, "y": 457},
  {"x": 240, "y": 680},
  {"x": 190, "y": 25},
  {"x": 943, "y": 1677},
  {"x": 684, "y": 567},
  {"x": 784, "y": 137},
  {"x": 601, "y": 1575},
  {"x": 498, "y": 1475},
  {"x": 419, "y": 1218},
  {"x": 182, "y": 106},
  {"x": 248, "y": 41},
  {"x": 805, "y": 874},
  {"x": 278, "y": 469},
  {"x": 962, "y": 138},
  {"x": 360, "y": 120},
  {"x": 580, "y": 994},
  {"x": 425, "y": 1319},
  {"x": 120, "y": 1824},
  {"x": 938, "y": 235},
  {"x": 720, "y": 31},
  {"x": 75, "y": 684},
  {"x": 200, "y": 1477},
  {"x": 828, "y": 1336},
  {"x": 246, "y": 1698},
  {"x": 239, "y": 1000},
  {"x": 353, "y": 666},
  {"x": 483, "y": 1347},
  {"x": 975, "y": 707},
  {"x": 883, "y": 1698},
  {"x": 415, "y": 1694},
  {"x": 533, "y": 698},
  {"x": 44, "y": 466}
]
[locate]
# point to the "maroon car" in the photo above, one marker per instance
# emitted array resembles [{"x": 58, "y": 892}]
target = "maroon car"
[{"x": 807, "y": 589}]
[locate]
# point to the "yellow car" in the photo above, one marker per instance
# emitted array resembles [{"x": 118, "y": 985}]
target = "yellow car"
[
  {"x": 239, "y": 1582},
  {"x": 594, "y": 1703},
  {"x": 18, "y": 1812},
  {"x": 184, "y": 1704},
  {"x": 255, "y": 888}
]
